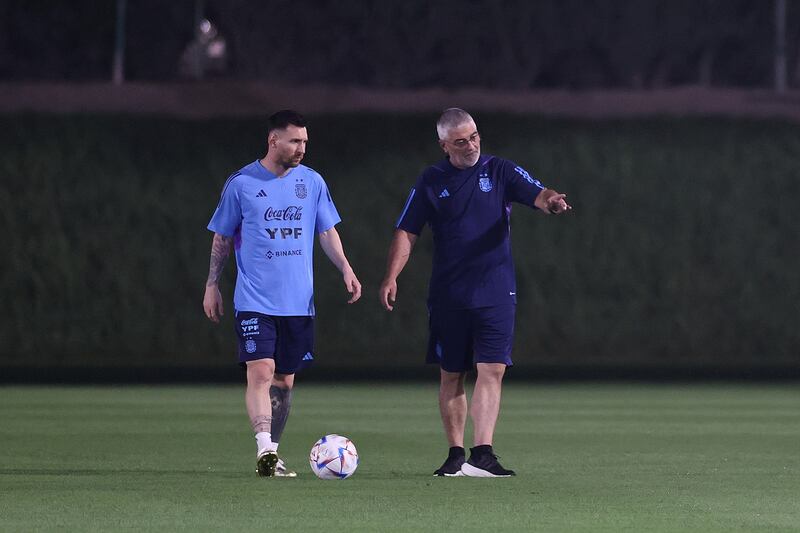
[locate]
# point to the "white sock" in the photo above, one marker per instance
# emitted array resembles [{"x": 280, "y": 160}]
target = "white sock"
[{"x": 264, "y": 442}]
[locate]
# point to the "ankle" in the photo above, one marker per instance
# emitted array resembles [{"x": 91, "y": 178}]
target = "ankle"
[
  {"x": 457, "y": 451},
  {"x": 482, "y": 449}
]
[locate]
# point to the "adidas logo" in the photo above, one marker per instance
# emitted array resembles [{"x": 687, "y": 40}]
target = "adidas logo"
[
  {"x": 308, "y": 357},
  {"x": 261, "y": 194},
  {"x": 444, "y": 194}
]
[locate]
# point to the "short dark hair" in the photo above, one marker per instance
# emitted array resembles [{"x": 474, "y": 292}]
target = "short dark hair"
[{"x": 282, "y": 119}]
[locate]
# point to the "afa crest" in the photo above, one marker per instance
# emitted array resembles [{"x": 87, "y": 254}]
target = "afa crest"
[
  {"x": 485, "y": 183},
  {"x": 250, "y": 346},
  {"x": 300, "y": 190}
]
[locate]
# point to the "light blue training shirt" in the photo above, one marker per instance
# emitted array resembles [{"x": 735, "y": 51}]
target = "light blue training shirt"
[{"x": 273, "y": 222}]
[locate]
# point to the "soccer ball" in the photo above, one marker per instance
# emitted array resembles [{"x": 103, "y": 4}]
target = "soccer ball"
[{"x": 333, "y": 457}]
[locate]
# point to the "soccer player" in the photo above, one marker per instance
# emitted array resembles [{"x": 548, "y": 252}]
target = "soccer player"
[
  {"x": 269, "y": 212},
  {"x": 466, "y": 199}
]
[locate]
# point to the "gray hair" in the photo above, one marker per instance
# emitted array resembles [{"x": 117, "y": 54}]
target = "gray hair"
[{"x": 451, "y": 118}]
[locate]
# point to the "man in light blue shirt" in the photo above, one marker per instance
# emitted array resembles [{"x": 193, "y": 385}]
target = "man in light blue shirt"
[{"x": 268, "y": 213}]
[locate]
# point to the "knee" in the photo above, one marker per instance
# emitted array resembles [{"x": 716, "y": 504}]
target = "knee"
[
  {"x": 283, "y": 381},
  {"x": 260, "y": 373},
  {"x": 452, "y": 383},
  {"x": 491, "y": 371}
]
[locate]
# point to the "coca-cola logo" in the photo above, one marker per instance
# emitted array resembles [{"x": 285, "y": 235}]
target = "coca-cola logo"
[{"x": 293, "y": 212}]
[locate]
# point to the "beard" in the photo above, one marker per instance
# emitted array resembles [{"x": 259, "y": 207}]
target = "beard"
[
  {"x": 292, "y": 161},
  {"x": 466, "y": 161}
]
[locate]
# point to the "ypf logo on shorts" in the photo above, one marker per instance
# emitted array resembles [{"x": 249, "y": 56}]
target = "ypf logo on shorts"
[{"x": 249, "y": 327}]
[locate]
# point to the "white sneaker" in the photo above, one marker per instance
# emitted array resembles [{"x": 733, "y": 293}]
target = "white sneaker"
[{"x": 282, "y": 471}]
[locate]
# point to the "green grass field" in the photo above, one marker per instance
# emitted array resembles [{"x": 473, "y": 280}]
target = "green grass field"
[{"x": 589, "y": 458}]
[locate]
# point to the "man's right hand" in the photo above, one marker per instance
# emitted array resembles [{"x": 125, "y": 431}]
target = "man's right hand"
[
  {"x": 212, "y": 303},
  {"x": 387, "y": 293}
]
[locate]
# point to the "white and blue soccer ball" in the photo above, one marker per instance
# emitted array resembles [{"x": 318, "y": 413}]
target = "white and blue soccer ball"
[{"x": 333, "y": 457}]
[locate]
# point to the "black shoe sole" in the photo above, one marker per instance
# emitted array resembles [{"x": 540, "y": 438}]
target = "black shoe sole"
[{"x": 265, "y": 466}]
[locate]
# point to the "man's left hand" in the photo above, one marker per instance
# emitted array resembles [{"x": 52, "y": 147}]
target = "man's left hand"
[
  {"x": 353, "y": 285},
  {"x": 557, "y": 205}
]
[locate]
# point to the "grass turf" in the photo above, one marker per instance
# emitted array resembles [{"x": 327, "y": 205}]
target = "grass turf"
[{"x": 588, "y": 457}]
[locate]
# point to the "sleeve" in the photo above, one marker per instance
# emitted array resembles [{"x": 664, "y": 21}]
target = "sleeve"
[
  {"x": 228, "y": 215},
  {"x": 520, "y": 186},
  {"x": 416, "y": 211},
  {"x": 327, "y": 215}
]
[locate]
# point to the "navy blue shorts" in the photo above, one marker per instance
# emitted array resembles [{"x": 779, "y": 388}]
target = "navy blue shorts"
[
  {"x": 289, "y": 340},
  {"x": 459, "y": 338}
]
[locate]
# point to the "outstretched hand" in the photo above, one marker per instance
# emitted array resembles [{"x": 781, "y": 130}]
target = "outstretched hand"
[{"x": 557, "y": 205}]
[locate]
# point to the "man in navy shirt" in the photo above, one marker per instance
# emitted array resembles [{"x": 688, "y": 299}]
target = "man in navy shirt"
[
  {"x": 269, "y": 212},
  {"x": 466, "y": 200}
]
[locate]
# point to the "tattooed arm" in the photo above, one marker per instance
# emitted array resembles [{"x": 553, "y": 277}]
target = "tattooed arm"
[{"x": 212, "y": 301}]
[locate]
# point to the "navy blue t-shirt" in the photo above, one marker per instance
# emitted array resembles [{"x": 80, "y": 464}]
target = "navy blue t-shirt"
[{"x": 469, "y": 212}]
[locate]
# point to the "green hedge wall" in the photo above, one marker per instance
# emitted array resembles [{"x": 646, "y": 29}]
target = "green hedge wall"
[{"x": 682, "y": 248}]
